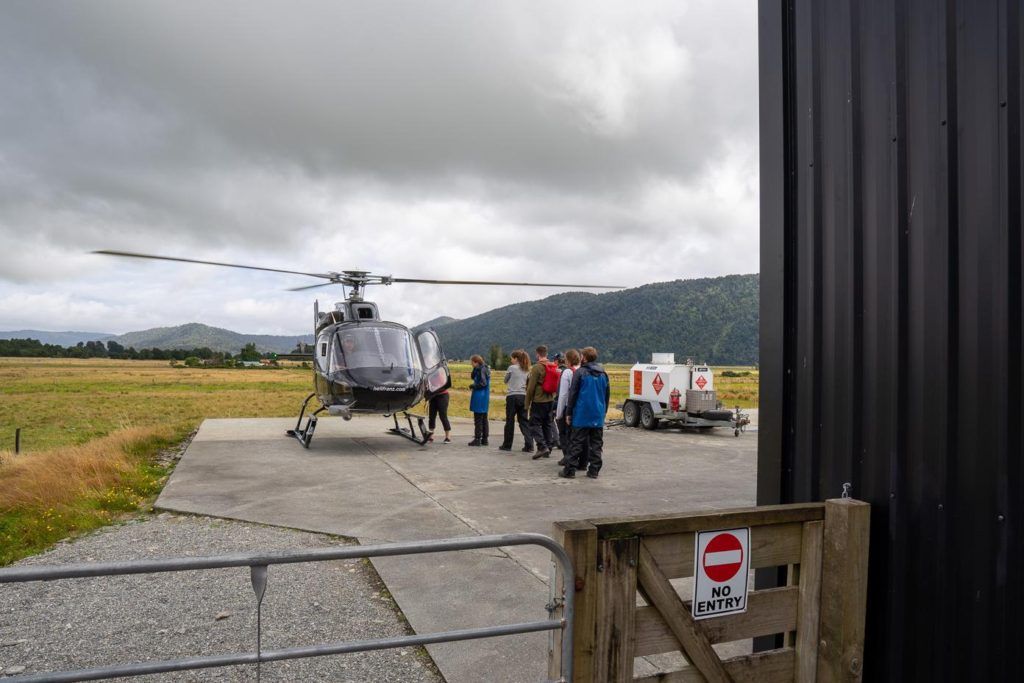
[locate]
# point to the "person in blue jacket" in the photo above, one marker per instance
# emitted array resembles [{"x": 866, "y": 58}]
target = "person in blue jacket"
[
  {"x": 585, "y": 409},
  {"x": 480, "y": 400}
]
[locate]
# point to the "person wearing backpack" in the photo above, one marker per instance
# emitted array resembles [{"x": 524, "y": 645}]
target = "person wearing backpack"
[
  {"x": 541, "y": 388},
  {"x": 585, "y": 409},
  {"x": 480, "y": 400}
]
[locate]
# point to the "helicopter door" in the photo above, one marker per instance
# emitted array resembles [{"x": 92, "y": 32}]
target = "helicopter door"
[{"x": 435, "y": 367}]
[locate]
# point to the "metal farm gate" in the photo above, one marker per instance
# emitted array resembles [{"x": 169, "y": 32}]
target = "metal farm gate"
[{"x": 259, "y": 564}]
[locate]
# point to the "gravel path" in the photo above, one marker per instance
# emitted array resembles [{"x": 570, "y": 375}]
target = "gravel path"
[{"x": 95, "y": 622}]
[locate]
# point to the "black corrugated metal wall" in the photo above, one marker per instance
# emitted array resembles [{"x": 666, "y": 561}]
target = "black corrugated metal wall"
[{"x": 891, "y": 309}]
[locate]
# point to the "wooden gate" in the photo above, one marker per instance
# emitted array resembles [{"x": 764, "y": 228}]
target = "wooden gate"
[{"x": 627, "y": 607}]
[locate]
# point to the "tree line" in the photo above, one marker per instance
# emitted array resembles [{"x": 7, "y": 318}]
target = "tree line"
[{"x": 33, "y": 348}]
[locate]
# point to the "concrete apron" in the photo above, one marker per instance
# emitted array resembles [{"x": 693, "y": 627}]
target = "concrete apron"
[{"x": 358, "y": 481}]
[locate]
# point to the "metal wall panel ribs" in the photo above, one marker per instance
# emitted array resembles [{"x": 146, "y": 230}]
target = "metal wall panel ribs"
[{"x": 891, "y": 309}]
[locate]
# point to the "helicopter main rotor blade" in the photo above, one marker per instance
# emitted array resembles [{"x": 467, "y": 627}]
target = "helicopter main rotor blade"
[
  {"x": 510, "y": 284},
  {"x": 130, "y": 254},
  {"x": 319, "y": 284}
]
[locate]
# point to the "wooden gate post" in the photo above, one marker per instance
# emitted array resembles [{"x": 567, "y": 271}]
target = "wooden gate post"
[
  {"x": 579, "y": 538},
  {"x": 616, "y": 609},
  {"x": 844, "y": 588}
]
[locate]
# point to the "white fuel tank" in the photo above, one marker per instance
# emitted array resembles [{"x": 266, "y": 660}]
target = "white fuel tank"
[{"x": 655, "y": 381}]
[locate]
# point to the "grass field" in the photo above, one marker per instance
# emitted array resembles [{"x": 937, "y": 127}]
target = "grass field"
[{"x": 90, "y": 429}]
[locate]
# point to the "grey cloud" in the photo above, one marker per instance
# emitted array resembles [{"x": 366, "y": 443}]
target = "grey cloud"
[{"x": 290, "y": 132}]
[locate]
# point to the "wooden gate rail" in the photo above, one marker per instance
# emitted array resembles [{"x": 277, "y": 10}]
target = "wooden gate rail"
[{"x": 820, "y": 611}]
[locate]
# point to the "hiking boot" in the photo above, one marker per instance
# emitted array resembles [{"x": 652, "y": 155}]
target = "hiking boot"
[
  {"x": 592, "y": 475},
  {"x": 544, "y": 453},
  {"x": 474, "y": 442},
  {"x": 567, "y": 474}
]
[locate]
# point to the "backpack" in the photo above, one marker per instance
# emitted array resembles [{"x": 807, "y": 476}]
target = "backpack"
[{"x": 552, "y": 376}]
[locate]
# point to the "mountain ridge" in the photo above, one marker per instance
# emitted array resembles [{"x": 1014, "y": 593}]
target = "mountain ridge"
[
  {"x": 186, "y": 336},
  {"x": 713, "y": 320}
]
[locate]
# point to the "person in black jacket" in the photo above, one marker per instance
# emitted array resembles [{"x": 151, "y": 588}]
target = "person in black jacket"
[{"x": 585, "y": 410}]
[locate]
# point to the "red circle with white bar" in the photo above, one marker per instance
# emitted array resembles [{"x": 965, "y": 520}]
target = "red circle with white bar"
[{"x": 723, "y": 557}]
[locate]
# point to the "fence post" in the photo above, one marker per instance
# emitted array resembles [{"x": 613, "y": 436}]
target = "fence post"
[
  {"x": 579, "y": 539},
  {"x": 17, "y": 440},
  {"x": 809, "y": 608},
  {"x": 616, "y": 609},
  {"x": 843, "y": 590}
]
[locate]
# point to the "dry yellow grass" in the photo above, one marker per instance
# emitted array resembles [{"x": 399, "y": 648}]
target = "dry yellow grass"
[
  {"x": 59, "y": 477},
  {"x": 47, "y": 495}
]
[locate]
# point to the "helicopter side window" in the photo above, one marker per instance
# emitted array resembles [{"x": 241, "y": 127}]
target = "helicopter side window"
[
  {"x": 438, "y": 376},
  {"x": 430, "y": 350},
  {"x": 321, "y": 355}
]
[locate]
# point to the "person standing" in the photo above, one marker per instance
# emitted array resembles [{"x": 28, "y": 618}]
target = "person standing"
[
  {"x": 585, "y": 410},
  {"x": 515, "y": 401},
  {"x": 541, "y": 387},
  {"x": 572, "y": 364},
  {"x": 480, "y": 400},
  {"x": 438, "y": 406},
  {"x": 559, "y": 360}
]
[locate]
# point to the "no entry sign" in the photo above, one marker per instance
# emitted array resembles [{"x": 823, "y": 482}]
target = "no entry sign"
[{"x": 721, "y": 564}]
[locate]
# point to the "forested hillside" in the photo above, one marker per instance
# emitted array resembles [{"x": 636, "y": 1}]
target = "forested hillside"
[
  {"x": 197, "y": 335},
  {"x": 58, "y": 338},
  {"x": 710, "y": 319}
]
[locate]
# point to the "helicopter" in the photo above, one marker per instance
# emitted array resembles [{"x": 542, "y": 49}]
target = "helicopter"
[{"x": 363, "y": 364}]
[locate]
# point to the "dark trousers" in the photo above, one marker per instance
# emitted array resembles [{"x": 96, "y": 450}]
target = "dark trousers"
[
  {"x": 564, "y": 430},
  {"x": 542, "y": 425},
  {"x": 585, "y": 446},
  {"x": 439, "y": 408},
  {"x": 515, "y": 411},
  {"x": 480, "y": 429}
]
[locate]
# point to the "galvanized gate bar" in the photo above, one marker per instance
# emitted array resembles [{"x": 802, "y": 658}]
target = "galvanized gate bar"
[
  {"x": 349, "y": 647},
  {"x": 72, "y": 571}
]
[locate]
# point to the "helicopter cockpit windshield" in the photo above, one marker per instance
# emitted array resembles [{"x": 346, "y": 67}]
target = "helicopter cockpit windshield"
[{"x": 372, "y": 355}]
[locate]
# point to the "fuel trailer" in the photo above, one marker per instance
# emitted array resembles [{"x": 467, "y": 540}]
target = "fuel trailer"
[{"x": 680, "y": 395}]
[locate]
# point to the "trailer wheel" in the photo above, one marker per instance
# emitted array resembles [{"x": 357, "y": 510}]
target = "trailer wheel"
[
  {"x": 647, "y": 419},
  {"x": 631, "y": 414}
]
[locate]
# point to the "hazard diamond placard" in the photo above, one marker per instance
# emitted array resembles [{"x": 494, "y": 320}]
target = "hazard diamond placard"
[{"x": 721, "y": 564}]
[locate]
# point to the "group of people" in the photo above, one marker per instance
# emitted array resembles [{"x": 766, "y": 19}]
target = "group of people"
[{"x": 558, "y": 402}]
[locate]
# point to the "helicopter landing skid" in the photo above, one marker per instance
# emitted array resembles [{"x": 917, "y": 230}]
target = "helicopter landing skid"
[
  {"x": 305, "y": 434},
  {"x": 410, "y": 432}
]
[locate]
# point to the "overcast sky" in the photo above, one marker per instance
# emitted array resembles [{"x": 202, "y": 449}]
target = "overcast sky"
[{"x": 562, "y": 141}]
